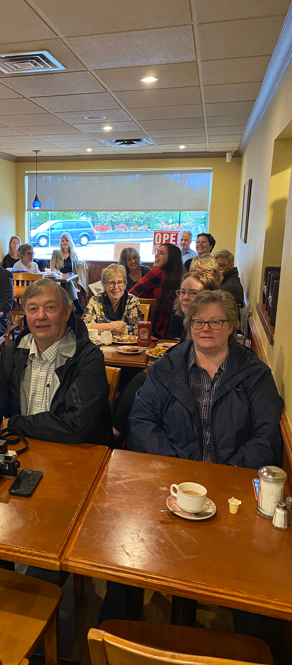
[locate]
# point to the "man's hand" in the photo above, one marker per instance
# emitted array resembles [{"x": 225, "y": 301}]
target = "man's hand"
[{"x": 4, "y": 423}]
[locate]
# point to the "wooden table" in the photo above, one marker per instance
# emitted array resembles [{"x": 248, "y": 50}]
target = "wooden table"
[
  {"x": 115, "y": 359},
  {"x": 35, "y": 530},
  {"x": 239, "y": 561},
  {"x": 63, "y": 279}
]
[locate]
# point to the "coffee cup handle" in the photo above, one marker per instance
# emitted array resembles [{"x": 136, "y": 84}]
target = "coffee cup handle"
[{"x": 173, "y": 490}]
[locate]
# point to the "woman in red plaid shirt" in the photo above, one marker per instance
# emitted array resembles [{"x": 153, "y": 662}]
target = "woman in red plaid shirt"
[{"x": 161, "y": 283}]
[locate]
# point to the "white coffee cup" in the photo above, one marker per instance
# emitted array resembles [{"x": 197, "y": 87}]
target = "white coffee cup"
[
  {"x": 190, "y": 497},
  {"x": 93, "y": 333}
]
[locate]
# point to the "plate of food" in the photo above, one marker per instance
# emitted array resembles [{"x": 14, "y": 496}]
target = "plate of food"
[
  {"x": 128, "y": 350},
  {"x": 157, "y": 352},
  {"x": 168, "y": 345},
  {"x": 125, "y": 339}
]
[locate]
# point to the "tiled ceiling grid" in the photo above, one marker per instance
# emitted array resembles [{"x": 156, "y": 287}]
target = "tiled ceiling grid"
[{"x": 209, "y": 56}]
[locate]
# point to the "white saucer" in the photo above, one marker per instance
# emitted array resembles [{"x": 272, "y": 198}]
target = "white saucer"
[{"x": 209, "y": 510}]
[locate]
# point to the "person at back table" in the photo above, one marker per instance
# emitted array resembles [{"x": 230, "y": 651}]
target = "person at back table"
[
  {"x": 161, "y": 283},
  {"x": 209, "y": 399},
  {"x": 65, "y": 259},
  {"x": 185, "y": 242},
  {"x": 13, "y": 254},
  {"x": 26, "y": 263},
  {"x": 53, "y": 384},
  {"x": 6, "y": 298},
  {"x": 231, "y": 281},
  {"x": 205, "y": 244},
  {"x": 130, "y": 259}
]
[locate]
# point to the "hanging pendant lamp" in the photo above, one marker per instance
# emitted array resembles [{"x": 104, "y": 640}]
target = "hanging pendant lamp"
[{"x": 36, "y": 202}]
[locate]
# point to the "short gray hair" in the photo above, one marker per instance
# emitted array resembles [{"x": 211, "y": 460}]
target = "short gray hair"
[
  {"x": 126, "y": 254},
  {"x": 189, "y": 233},
  {"x": 24, "y": 248},
  {"x": 111, "y": 270},
  {"x": 224, "y": 254},
  {"x": 40, "y": 286},
  {"x": 222, "y": 298}
]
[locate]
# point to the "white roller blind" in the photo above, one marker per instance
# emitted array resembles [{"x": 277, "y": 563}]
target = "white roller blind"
[{"x": 183, "y": 190}]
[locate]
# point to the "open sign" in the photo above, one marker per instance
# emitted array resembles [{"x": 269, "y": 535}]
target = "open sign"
[{"x": 161, "y": 237}]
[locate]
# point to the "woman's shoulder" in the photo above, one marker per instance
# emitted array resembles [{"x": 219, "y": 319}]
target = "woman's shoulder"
[{"x": 144, "y": 270}]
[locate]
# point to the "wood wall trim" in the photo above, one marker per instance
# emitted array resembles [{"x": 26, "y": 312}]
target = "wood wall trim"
[{"x": 286, "y": 430}]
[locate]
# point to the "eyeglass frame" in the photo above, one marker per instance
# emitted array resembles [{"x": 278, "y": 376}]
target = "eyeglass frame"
[
  {"x": 208, "y": 323},
  {"x": 112, "y": 283},
  {"x": 179, "y": 292}
]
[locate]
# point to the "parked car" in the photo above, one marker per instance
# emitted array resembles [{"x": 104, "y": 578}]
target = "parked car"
[{"x": 49, "y": 233}]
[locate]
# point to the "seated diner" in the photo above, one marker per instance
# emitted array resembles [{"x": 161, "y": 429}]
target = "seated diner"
[
  {"x": 209, "y": 399},
  {"x": 205, "y": 244},
  {"x": 207, "y": 266},
  {"x": 114, "y": 309},
  {"x": 130, "y": 259},
  {"x": 230, "y": 281},
  {"x": 13, "y": 254},
  {"x": 191, "y": 284},
  {"x": 65, "y": 260},
  {"x": 25, "y": 263},
  {"x": 161, "y": 283}
]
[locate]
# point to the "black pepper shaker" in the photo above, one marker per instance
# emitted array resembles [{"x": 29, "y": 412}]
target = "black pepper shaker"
[{"x": 289, "y": 509}]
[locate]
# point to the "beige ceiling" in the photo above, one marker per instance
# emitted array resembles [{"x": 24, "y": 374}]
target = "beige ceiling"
[{"x": 209, "y": 56}]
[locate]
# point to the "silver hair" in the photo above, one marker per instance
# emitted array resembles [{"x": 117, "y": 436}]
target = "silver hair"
[
  {"x": 40, "y": 286},
  {"x": 24, "y": 248},
  {"x": 224, "y": 254},
  {"x": 222, "y": 298},
  {"x": 111, "y": 270},
  {"x": 189, "y": 233},
  {"x": 126, "y": 254}
]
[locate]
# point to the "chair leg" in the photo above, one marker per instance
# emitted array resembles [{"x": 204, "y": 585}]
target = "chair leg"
[
  {"x": 51, "y": 639},
  {"x": 78, "y": 585}
]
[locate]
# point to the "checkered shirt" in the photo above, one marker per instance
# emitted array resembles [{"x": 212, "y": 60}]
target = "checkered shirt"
[
  {"x": 150, "y": 286},
  {"x": 42, "y": 372},
  {"x": 203, "y": 390}
]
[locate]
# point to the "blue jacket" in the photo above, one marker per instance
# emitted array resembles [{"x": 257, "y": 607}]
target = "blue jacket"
[{"x": 244, "y": 416}]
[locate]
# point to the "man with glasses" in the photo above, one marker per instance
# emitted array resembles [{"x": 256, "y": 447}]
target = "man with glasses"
[
  {"x": 230, "y": 281},
  {"x": 210, "y": 398},
  {"x": 25, "y": 263}
]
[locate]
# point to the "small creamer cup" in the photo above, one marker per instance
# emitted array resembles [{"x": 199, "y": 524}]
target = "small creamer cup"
[
  {"x": 93, "y": 333},
  {"x": 233, "y": 505},
  {"x": 189, "y": 503}
]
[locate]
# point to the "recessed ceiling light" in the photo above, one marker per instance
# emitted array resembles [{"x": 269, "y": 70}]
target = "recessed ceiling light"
[
  {"x": 149, "y": 79},
  {"x": 181, "y": 147},
  {"x": 107, "y": 128},
  {"x": 88, "y": 149},
  {"x": 94, "y": 117}
]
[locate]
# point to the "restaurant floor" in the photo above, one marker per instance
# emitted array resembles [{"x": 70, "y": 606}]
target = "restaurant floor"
[{"x": 78, "y": 615}]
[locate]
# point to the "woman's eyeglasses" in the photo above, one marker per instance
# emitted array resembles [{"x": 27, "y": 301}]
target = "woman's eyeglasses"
[
  {"x": 119, "y": 283},
  {"x": 214, "y": 324},
  {"x": 182, "y": 292}
]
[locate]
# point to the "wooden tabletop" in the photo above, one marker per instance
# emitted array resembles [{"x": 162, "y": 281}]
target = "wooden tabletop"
[
  {"x": 239, "y": 561},
  {"x": 113, "y": 358},
  {"x": 34, "y": 530},
  {"x": 61, "y": 278}
]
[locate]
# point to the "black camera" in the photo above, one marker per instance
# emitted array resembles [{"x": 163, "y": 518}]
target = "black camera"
[{"x": 8, "y": 461}]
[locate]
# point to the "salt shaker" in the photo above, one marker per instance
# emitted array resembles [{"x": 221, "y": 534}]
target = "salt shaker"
[
  {"x": 271, "y": 489},
  {"x": 280, "y": 520},
  {"x": 289, "y": 509}
]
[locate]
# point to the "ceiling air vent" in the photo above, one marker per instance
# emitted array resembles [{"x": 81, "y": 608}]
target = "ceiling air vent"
[
  {"x": 126, "y": 143},
  {"x": 24, "y": 63}
]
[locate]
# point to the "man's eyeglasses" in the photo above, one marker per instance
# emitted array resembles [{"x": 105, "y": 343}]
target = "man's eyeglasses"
[
  {"x": 119, "y": 283},
  {"x": 182, "y": 292},
  {"x": 30, "y": 253},
  {"x": 214, "y": 324}
]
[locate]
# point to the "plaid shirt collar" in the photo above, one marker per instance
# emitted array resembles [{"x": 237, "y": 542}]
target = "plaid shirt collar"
[{"x": 193, "y": 361}]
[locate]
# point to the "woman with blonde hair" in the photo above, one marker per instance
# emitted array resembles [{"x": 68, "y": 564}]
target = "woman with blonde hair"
[
  {"x": 208, "y": 266},
  {"x": 114, "y": 309},
  {"x": 65, "y": 260},
  {"x": 13, "y": 254},
  {"x": 191, "y": 284}
]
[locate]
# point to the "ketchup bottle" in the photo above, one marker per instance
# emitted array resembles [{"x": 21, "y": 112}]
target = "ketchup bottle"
[{"x": 144, "y": 333}]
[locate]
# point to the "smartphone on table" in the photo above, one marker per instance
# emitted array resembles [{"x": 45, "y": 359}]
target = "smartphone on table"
[{"x": 25, "y": 483}]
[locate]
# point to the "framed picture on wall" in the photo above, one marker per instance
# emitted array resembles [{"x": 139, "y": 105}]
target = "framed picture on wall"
[{"x": 245, "y": 210}]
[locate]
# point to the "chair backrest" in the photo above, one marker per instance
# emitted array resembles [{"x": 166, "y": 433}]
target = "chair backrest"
[
  {"x": 112, "y": 375},
  {"x": 152, "y": 303},
  {"x": 24, "y": 278},
  {"x": 106, "y": 649},
  {"x": 145, "y": 309}
]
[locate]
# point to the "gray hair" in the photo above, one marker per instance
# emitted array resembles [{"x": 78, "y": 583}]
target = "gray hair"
[
  {"x": 40, "y": 286},
  {"x": 24, "y": 248},
  {"x": 126, "y": 254},
  {"x": 224, "y": 254},
  {"x": 110, "y": 271},
  {"x": 188, "y": 233},
  {"x": 222, "y": 298}
]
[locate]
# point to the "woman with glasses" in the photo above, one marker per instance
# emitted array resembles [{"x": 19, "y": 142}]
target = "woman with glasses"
[
  {"x": 25, "y": 263},
  {"x": 210, "y": 398},
  {"x": 114, "y": 309},
  {"x": 192, "y": 283}
]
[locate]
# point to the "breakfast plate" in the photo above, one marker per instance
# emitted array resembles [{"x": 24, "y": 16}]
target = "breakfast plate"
[
  {"x": 209, "y": 510},
  {"x": 125, "y": 339},
  {"x": 130, "y": 350}
]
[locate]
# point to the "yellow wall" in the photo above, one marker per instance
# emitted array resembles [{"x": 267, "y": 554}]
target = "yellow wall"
[
  {"x": 7, "y": 203},
  {"x": 257, "y": 164},
  {"x": 226, "y": 178}
]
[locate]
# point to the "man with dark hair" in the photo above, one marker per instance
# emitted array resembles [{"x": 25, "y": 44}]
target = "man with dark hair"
[
  {"x": 53, "y": 383},
  {"x": 205, "y": 244},
  {"x": 6, "y": 298}
]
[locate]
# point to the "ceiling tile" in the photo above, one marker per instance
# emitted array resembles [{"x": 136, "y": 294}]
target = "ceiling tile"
[
  {"x": 74, "y": 18},
  {"x": 195, "y": 138},
  {"x": 45, "y": 85},
  {"x": 214, "y": 131},
  {"x": 17, "y": 106},
  {"x": 98, "y": 127},
  {"x": 94, "y": 102},
  {"x": 235, "y": 70},
  {"x": 6, "y": 93},
  {"x": 148, "y": 47},
  {"x": 169, "y": 97},
  {"x": 52, "y": 129},
  {"x": 228, "y": 145},
  {"x": 33, "y": 120},
  {"x": 177, "y": 132},
  {"x": 55, "y": 48},
  {"x": 52, "y": 137},
  {"x": 228, "y": 120},
  {"x": 179, "y": 123},
  {"x": 118, "y": 135},
  {"x": 189, "y": 148},
  {"x": 166, "y": 112},
  {"x": 79, "y": 116},
  {"x": 7, "y": 131},
  {"x": 230, "y": 108},
  {"x": 236, "y": 39},
  {"x": 176, "y": 75},
  {"x": 232, "y": 138},
  {"x": 233, "y": 92},
  {"x": 227, "y": 10},
  {"x": 20, "y": 23}
]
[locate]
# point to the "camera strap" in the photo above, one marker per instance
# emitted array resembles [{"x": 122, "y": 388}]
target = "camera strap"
[{"x": 13, "y": 436}]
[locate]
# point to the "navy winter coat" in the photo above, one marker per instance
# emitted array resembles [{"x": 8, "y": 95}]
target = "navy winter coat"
[{"x": 245, "y": 412}]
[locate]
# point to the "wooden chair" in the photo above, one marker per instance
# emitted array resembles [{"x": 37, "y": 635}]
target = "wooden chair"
[
  {"x": 15, "y": 323},
  {"x": 152, "y": 303},
  {"x": 138, "y": 643},
  {"x": 112, "y": 375},
  {"x": 28, "y": 613},
  {"x": 145, "y": 311},
  {"x": 20, "y": 282}
]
